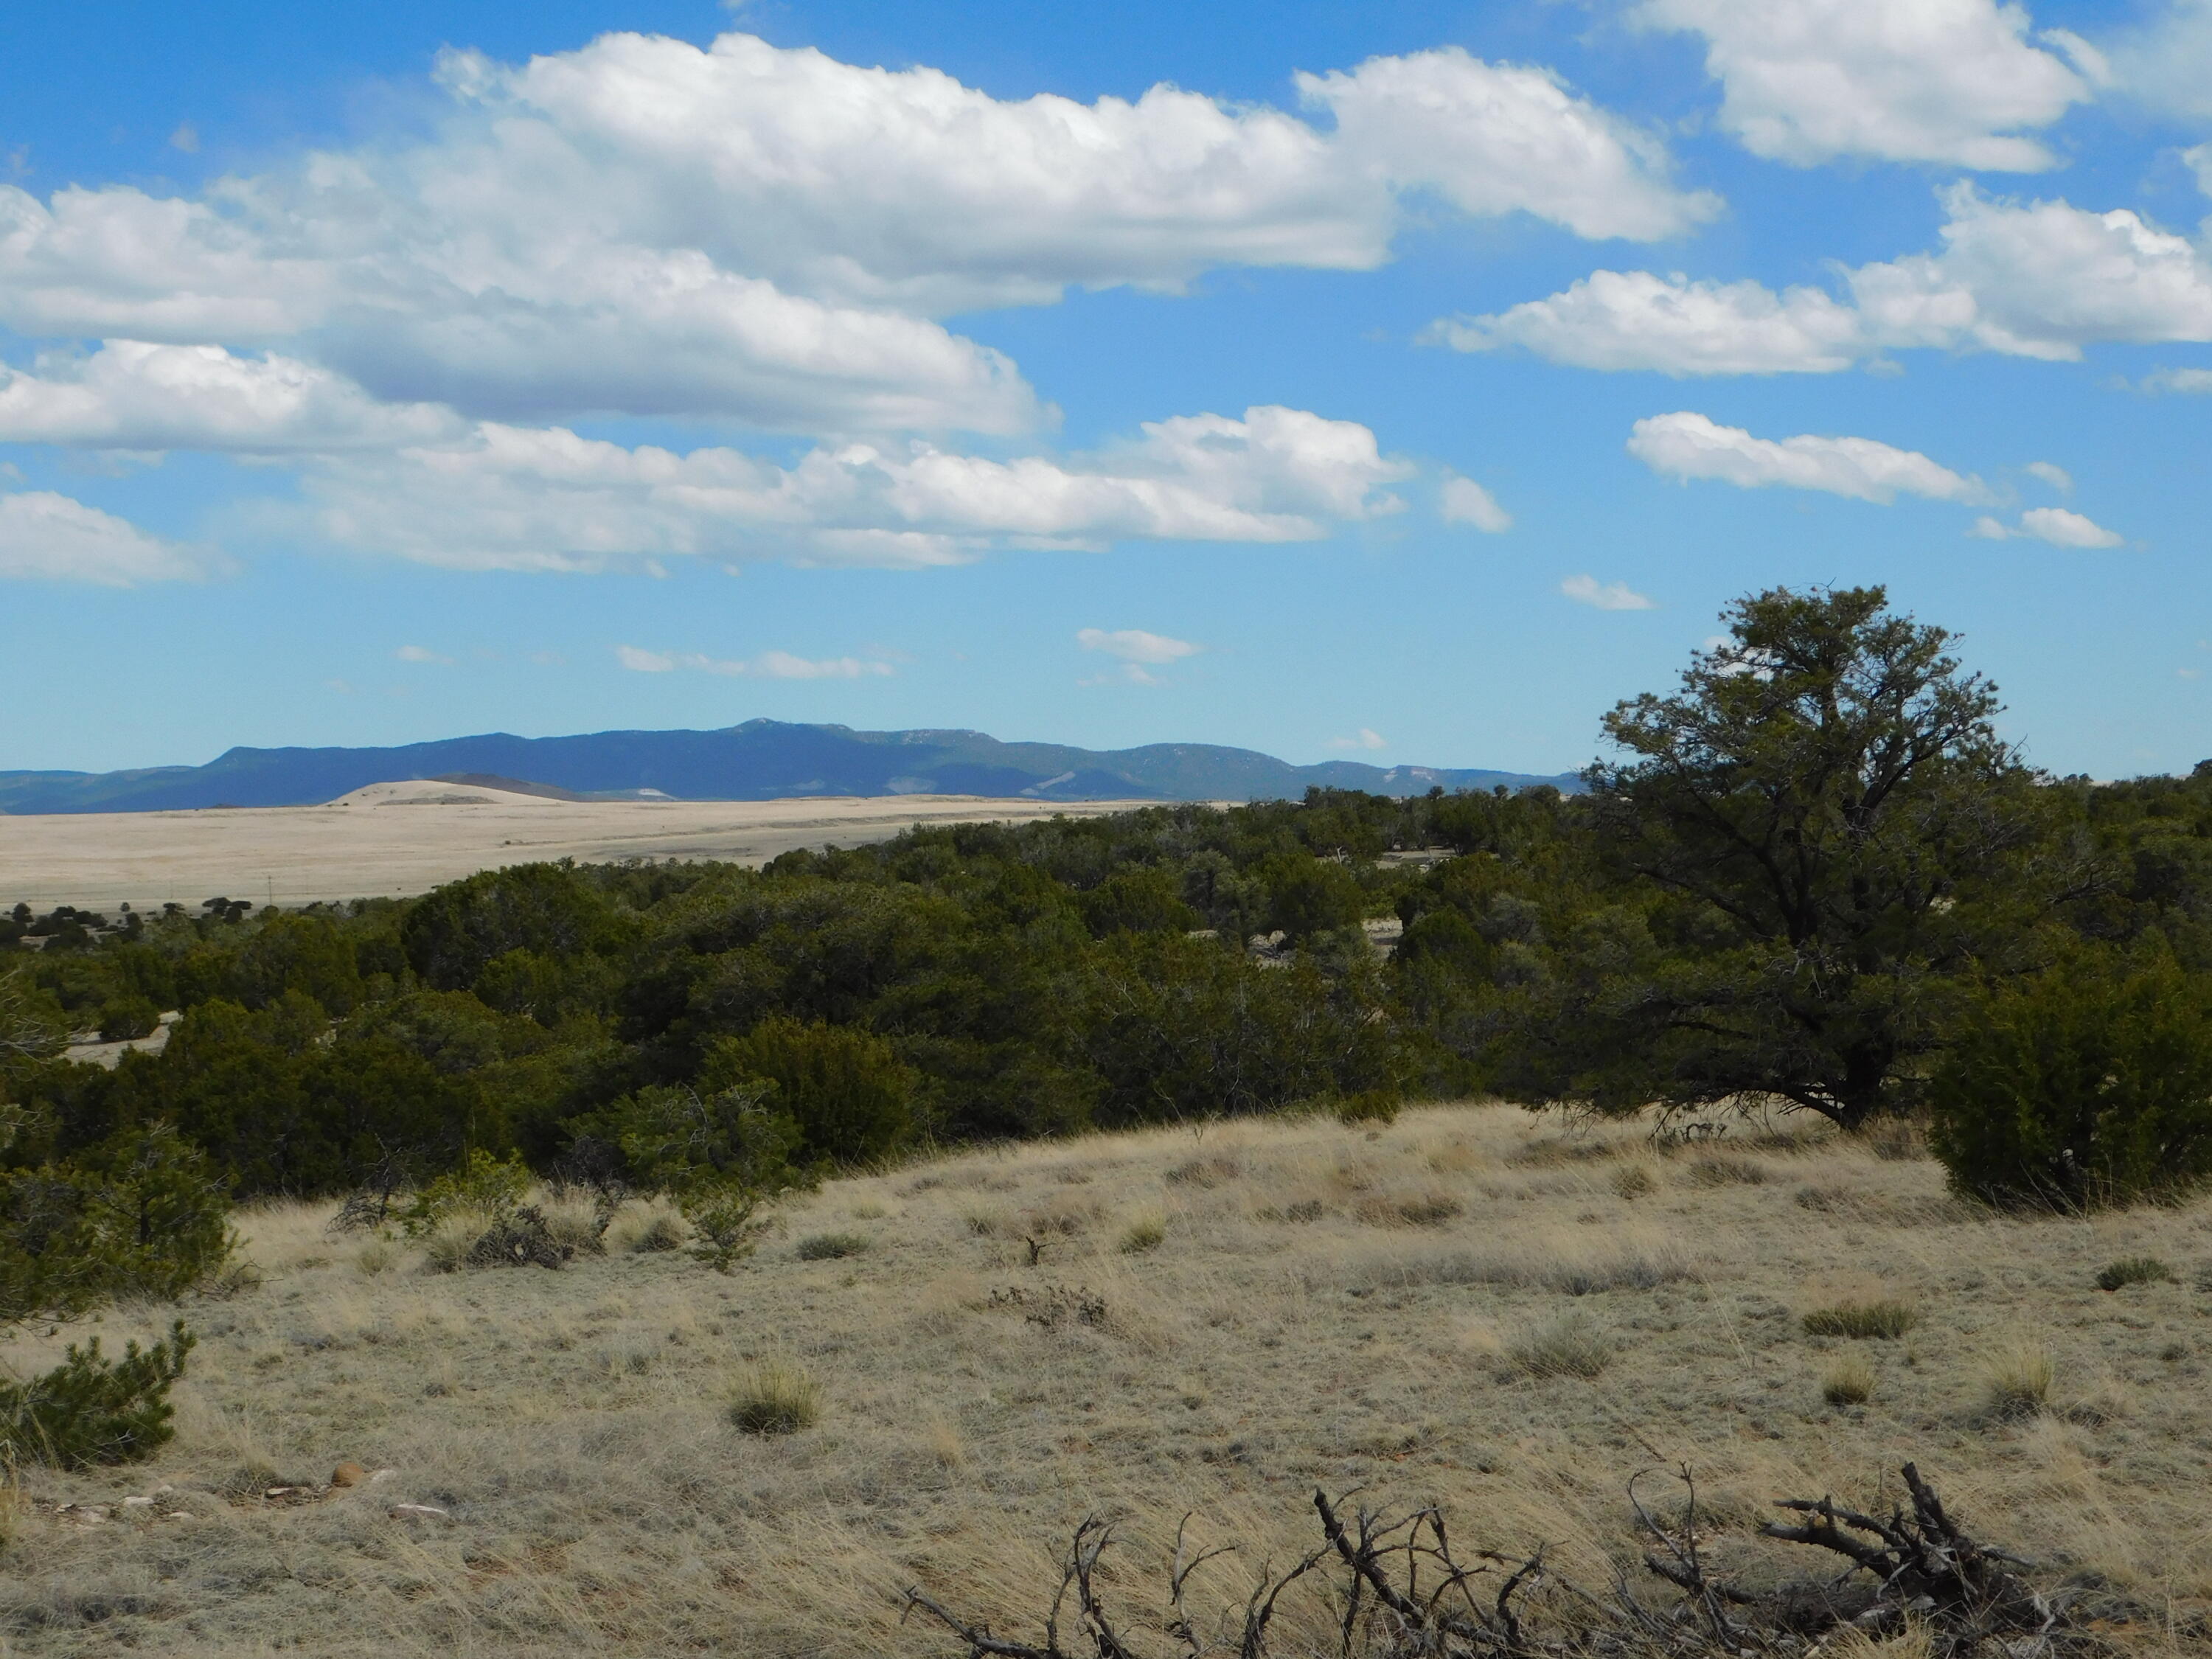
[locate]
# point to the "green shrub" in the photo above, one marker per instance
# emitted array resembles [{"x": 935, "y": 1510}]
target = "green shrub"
[
  {"x": 2133, "y": 1270},
  {"x": 483, "y": 1191},
  {"x": 1885, "y": 1318},
  {"x": 831, "y": 1247},
  {"x": 127, "y": 1019},
  {"x": 2088, "y": 1083},
  {"x": 847, "y": 1090},
  {"x": 774, "y": 1397},
  {"x": 91, "y": 1409}
]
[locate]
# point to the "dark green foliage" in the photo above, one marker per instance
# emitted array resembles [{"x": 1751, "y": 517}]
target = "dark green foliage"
[
  {"x": 721, "y": 1155},
  {"x": 848, "y": 1092},
  {"x": 1815, "y": 878},
  {"x": 140, "y": 1214},
  {"x": 1821, "y": 833},
  {"x": 91, "y": 1409},
  {"x": 2087, "y": 1082},
  {"x": 127, "y": 1017},
  {"x": 549, "y": 909},
  {"x": 1308, "y": 896},
  {"x": 1139, "y": 901},
  {"x": 1178, "y": 1029}
]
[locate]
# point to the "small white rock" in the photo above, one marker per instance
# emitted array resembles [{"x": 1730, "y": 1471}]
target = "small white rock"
[
  {"x": 137, "y": 1503},
  {"x": 418, "y": 1512}
]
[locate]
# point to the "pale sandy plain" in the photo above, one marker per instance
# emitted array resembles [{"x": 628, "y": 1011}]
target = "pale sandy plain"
[{"x": 393, "y": 840}]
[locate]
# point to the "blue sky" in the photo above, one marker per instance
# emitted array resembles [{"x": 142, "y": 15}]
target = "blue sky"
[{"x": 1407, "y": 382}]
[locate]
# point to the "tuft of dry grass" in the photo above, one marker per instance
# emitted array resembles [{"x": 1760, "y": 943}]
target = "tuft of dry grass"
[
  {"x": 772, "y": 1397},
  {"x": 1849, "y": 1381},
  {"x": 1879, "y": 1318},
  {"x": 1720, "y": 1170},
  {"x": 1565, "y": 1347},
  {"x": 830, "y": 1246},
  {"x": 2134, "y": 1270},
  {"x": 1146, "y": 1233},
  {"x": 2016, "y": 1380}
]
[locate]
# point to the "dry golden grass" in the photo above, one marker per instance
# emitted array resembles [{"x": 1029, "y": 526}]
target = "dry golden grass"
[{"x": 1316, "y": 1313}]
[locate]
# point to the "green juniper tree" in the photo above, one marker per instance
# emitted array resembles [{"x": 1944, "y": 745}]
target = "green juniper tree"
[{"x": 1820, "y": 832}]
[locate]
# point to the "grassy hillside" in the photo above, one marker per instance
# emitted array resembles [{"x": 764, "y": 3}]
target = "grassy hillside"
[{"x": 1473, "y": 1306}]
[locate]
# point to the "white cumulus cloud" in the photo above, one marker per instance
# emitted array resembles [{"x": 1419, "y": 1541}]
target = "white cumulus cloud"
[
  {"x": 769, "y": 665},
  {"x": 419, "y": 653},
  {"x": 1364, "y": 738},
  {"x": 1135, "y": 645},
  {"x": 2052, "y": 473},
  {"x": 2178, "y": 379},
  {"x": 2039, "y": 279},
  {"x": 1606, "y": 596},
  {"x": 1613, "y": 320},
  {"x": 1137, "y": 652},
  {"x": 53, "y": 538},
  {"x": 2166, "y": 60},
  {"x": 517, "y": 498},
  {"x": 1946, "y": 80},
  {"x": 1462, "y": 501},
  {"x": 2055, "y": 524},
  {"x": 646, "y": 227},
  {"x": 132, "y": 395},
  {"x": 1685, "y": 445}
]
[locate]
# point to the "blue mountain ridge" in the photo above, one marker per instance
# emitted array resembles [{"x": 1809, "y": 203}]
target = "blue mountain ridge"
[{"x": 760, "y": 760}]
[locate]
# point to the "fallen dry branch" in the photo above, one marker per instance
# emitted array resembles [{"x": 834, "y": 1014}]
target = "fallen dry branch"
[{"x": 1401, "y": 1589}]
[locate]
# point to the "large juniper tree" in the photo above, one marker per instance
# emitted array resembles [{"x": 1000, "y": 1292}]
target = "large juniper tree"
[{"x": 1826, "y": 830}]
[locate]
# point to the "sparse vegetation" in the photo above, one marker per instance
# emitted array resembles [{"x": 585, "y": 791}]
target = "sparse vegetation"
[
  {"x": 1117, "y": 1030},
  {"x": 577, "y": 1411}
]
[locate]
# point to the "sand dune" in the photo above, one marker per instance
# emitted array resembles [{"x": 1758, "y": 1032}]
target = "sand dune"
[{"x": 393, "y": 840}]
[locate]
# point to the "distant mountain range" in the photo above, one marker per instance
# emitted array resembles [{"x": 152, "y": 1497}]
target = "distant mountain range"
[{"x": 761, "y": 760}]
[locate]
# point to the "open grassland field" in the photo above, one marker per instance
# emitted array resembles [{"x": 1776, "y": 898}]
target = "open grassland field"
[
  {"x": 1473, "y": 1306},
  {"x": 398, "y": 840}
]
